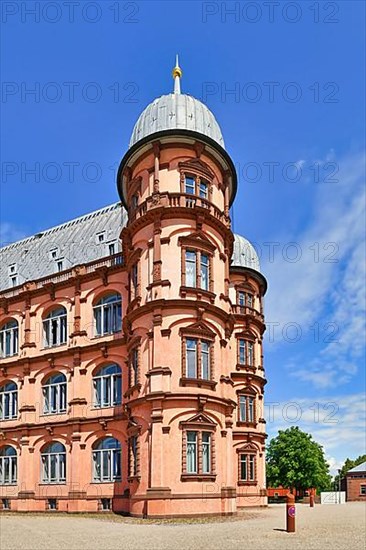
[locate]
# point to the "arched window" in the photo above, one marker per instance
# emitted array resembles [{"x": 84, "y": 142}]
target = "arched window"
[
  {"x": 107, "y": 383},
  {"x": 54, "y": 394},
  {"x": 108, "y": 315},
  {"x": 53, "y": 458},
  {"x": 9, "y": 339},
  {"x": 8, "y": 465},
  {"x": 8, "y": 401},
  {"x": 55, "y": 328},
  {"x": 107, "y": 460}
]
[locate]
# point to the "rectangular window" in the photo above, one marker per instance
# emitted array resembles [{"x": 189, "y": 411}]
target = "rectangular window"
[
  {"x": 59, "y": 265},
  {"x": 205, "y": 360},
  {"x": 133, "y": 456},
  {"x": 250, "y": 409},
  {"x": 112, "y": 249},
  {"x": 245, "y": 299},
  {"x": 189, "y": 185},
  {"x": 203, "y": 189},
  {"x": 191, "y": 268},
  {"x": 134, "y": 369},
  {"x": 106, "y": 504},
  {"x": 14, "y": 281},
  {"x": 363, "y": 490},
  {"x": 191, "y": 354},
  {"x": 52, "y": 504},
  {"x": 134, "y": 281},
  {"x": 192, "y": 455},
  {"x": 250, "y": 354},
  {"x": 205, "y": 272},
  {"x": 242, "y": 352},
  {"x": 6, "y": 504},
  {"x": 242, "y": 408},
  {"x": 247, "y": 467},
  {"x": 206, "y": 452}
]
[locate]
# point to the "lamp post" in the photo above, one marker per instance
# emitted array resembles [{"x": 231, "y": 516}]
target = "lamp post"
[{"x": 339, "y": 486}]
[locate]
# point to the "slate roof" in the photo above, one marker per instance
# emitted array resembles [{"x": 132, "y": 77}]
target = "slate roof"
[
  {"x": 80, "y": 241},
  {"x": 72, "y": 243},
  {"x": 360, "y": 468}
]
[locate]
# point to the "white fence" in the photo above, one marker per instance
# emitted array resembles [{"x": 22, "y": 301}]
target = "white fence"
[{"x": 334, "y": 497}]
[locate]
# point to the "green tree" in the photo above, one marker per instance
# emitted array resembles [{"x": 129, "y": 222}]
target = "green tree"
[
  {"x": 348, "y": 464},
  {"x": 295, "y": 460}
]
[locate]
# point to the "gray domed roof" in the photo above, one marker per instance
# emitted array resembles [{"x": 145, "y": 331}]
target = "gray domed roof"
[
  {"x": 244, "y": 254},
  {"x": 176, "y": 111}
]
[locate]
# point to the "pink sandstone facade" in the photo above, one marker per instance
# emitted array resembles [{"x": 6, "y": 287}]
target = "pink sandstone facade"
[{"x": 135, "y": 381}]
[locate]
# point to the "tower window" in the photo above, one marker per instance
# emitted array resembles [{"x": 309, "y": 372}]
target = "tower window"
[
  {"x": 197, "y": 269},
  {"x": 246, "y": 408},
  {"x": 247, "y": 467},
  {"x": 245, "y": 352},
  {"x": 197, "y": 359},
  {"x": 194, "y": 185}
]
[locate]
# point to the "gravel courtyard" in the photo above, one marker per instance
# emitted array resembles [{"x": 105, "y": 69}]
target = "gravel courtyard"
[{"x": 328, "y": 526}]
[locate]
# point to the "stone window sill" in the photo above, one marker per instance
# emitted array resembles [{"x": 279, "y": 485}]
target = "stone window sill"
[
  {"x": 198, "y": 292},
  {"x": 241, "y": 482},
  {"x": 246, "y": 424},
  {"x": 198, "y": 382},
  {"x": 198, "y": 477}
]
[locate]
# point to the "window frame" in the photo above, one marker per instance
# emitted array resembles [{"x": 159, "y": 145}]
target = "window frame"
[
  {"x": 194, "y": 189},
  {"x": 199, "y": 270},
  {"x": 246, "y": 353},
  {"x": 194, "y": 432},
  {"x": 59, "y": 458},
  {"x": 249, "y": 406},
  {"x": 249, "y": 459},
  {"x": 107, "y": 315},
  {"x": 8, "y": 464},
  {"x": 110, "y": 387},
  {"x": 54, "y": 395},
  {"x": 112, "y": 457},
  {"x": 8, "y": 400},
  {"x": 9, "y": 339},
  {"x": 55, "y": 328},
  {"x": 199, "y": 356}
]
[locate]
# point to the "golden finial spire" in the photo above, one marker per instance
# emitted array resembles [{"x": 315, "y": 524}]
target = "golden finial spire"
[{"x": 177, "y": 75}]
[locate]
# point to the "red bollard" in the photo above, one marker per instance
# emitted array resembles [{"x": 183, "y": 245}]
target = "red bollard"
[
  {"x": 290, "y": 513},
  {"x": 312, "y": 499}
]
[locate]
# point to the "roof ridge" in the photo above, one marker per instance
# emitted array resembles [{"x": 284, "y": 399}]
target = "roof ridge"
[{"x": 62, "y": 225}]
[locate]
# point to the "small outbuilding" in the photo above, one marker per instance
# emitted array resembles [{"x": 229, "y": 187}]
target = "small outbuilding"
[{"x": 356, "y": 483}]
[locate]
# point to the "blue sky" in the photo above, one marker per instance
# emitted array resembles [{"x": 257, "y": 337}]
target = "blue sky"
[{"x": 287, "y": 87}]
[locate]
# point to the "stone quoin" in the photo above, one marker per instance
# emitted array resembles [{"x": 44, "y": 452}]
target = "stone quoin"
[{"x": 132, "y": 374}]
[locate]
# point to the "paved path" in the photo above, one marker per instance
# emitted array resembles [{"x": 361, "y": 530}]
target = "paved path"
[{"x": 333, "y": 527}]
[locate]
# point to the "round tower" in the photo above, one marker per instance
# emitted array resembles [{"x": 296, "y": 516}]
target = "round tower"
[{"x": 194, "y": 321}]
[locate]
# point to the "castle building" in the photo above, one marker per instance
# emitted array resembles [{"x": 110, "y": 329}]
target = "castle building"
[{"x": 132, "y": 370}]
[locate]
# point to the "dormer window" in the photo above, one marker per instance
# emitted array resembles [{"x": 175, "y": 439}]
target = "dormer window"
[
  {"x": 14, "y": 281},
  {"x": 101, "y": 237},
  {"x": 12, "y": 269},
  {"x": 60, "y": 265},
  {"x": 53, "y": 253}
]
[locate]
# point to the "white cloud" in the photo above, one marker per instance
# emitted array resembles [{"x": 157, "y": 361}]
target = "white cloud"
[
  {"x": 326, "y": 285},
  {"x": 336, "y": 422}
]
